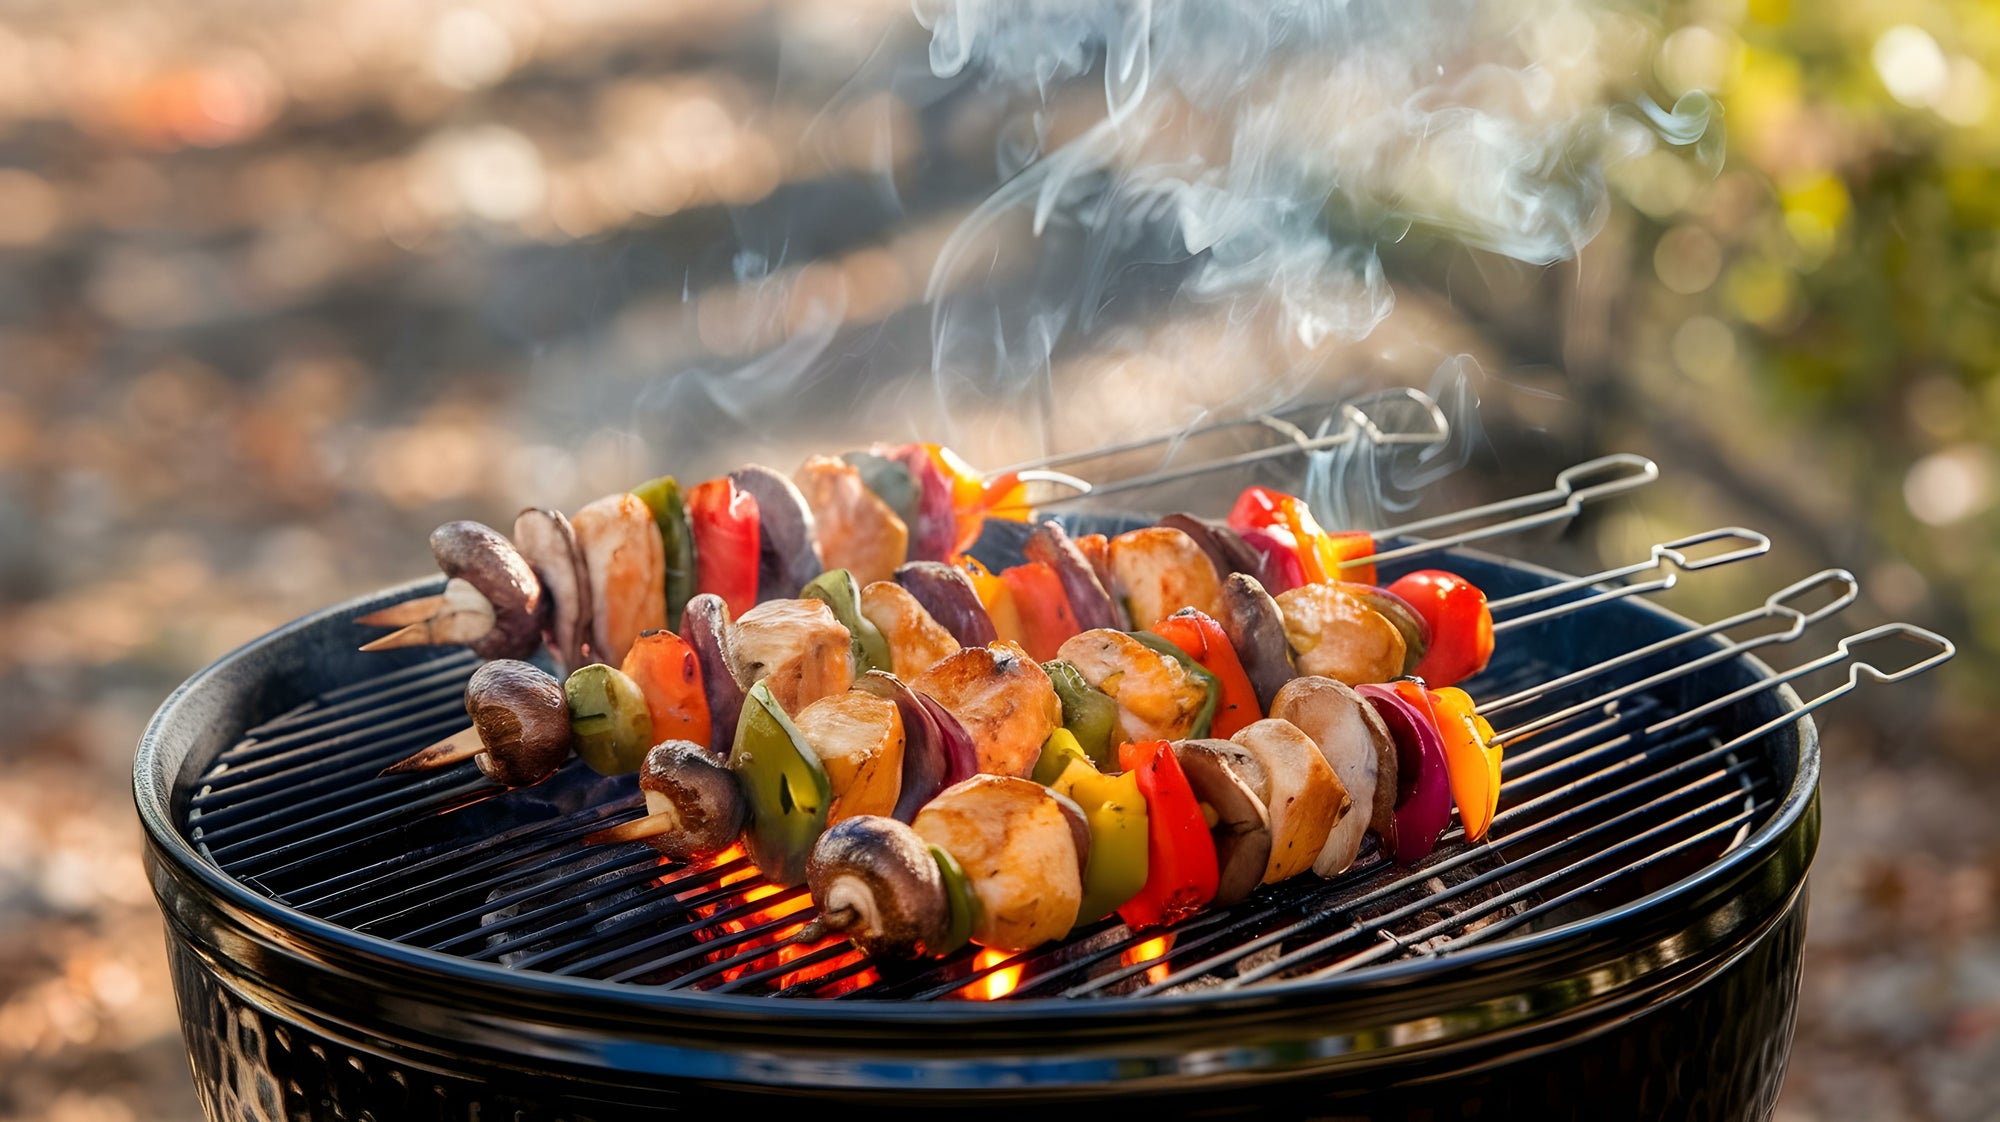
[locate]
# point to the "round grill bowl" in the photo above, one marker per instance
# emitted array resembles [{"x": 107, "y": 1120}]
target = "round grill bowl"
[{"x": 1677, "y": 1004}]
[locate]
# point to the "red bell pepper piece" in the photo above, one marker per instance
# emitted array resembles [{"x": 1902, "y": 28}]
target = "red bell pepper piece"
[
  {"x": 727, "y": 530},
  {"x": 1320, "y": 553},
  {"x": 1044, "y": 609},
  {"x": 1461, "y": 625},
  {"x": 1205, "y": 642},
  {"x": 1181, "y": 873}
]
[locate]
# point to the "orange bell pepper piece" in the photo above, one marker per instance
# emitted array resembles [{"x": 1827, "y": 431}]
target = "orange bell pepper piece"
[
  {"x": 1470, "y": 767},
  {"x": 998, "y": 600},
  {"x": 670, "y": 676},
  {"x": 974, "y": 498}
]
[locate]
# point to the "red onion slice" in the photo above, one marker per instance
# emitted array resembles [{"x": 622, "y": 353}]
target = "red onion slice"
[
  {"x": 934, "y": 532},
  {"x": 705, "y": 627},
  {"x": 947, "y": 594},
  {"x": 1423, "y": 792},
  {"x": 937, "y": 751},
  {"x": 1281, "y": 571}
]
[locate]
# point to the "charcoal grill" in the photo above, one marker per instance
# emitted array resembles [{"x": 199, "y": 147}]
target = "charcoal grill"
[{"x": 1626, "y": 945}]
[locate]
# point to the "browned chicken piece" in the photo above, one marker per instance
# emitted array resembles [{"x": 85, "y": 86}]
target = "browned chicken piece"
[
  {"x": 1157, "y": 700},
  {"x": 1159, "y": 571},
  {"x": 857, "y": 530},
  {"x": 1014, "y": 843},
  {"x": 797, "y": 647},
  {"x": 917, "y": 642},
  {"x": 1303, "y": 796},
  {"x": 1003, "y": 699},
  {"x": 1337, "y": 635},
  {"x": 859, "y": 740},
  {"x": 1357, "y": 744},
  {"x": 628, "y": 572}
]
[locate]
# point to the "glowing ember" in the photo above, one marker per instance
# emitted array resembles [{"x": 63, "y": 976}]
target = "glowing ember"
[
  {"x": 998, "y": 984},
  {"x": 1147, "y": 952}
]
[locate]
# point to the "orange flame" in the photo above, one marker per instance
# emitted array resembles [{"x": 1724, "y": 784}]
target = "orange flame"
[
  {"x": 998, "y": 984},
  {"x": 1147, "y": 952}
]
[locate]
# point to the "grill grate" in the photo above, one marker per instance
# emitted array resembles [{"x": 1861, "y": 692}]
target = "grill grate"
[{"x": 1607, "y": 794}]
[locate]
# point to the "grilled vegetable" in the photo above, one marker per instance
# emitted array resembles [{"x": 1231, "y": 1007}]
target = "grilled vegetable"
[
  {"x": 1336, "y": 635},
  {"x": 947, "y": 594},
  {"x": 836, "y": 588},
  {"x": 668, "y": 674},
  {"x": 962, "y": 910},
  {"x": 1043, "y": 607},
  {"x": 974, "y": 498},
  {"x": 875, "y": 881},
  {"x": 1003, "y": 699},
  {"x": 997, "y": 599},
  {"x": 859, "y": 740},
  {"x": 1281, "y": 570},
  {"x": 663, "y": 500},
  {"x": 916, "y": 641},
  {"x": 727, "y": 535},
  {"x": 1241, "y": 833},
  {"x": 787, "y": 542},
  {"x": 937, "y": 751},
  {"x": 1159, "y": 571},
  {"x": 1256, "y": 631},
  {"x": 1090, "y": 716},
  {"x": 1301, "y": 793},
  {"x": 522, "y": 719},
  {"x": 1460, "y": 624},
  {"x": 1321, "y": 554},
  {"x": 1423, "y": 799},
  {"x": 608, "y": 718},
  {"x": 1180, "y": 858},
  {"x": 1116, "y": 812},
  {"x": 857, "y": 530},
  {"x": 695, "y": 805},
  {"x": 1089, "y": 601},
  {"x": 705, "y": 626},
  {"x": 934, "y": 530},
  {"x": 627, "y": 562},
  {"x": 1157, "y": 698},
  {"x": 1225, "y": 548},
  {"x": 1356, "y": 743},
  {"x": 1057, "y": 752},
  {"x": 784, "y": 786},
  {"x": 1202, "y": 639},
  {"x": 796, "y": 647},
  {"x": 1013, "y": 842},
  {"x": 891, "y": 482},
  {"x": 1469, "y": 747},
  {"x": 546, "y": 540},
  {"x": 493, "y": 602}
]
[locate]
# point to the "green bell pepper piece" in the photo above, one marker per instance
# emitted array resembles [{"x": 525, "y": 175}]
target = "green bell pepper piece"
[
  {"x": 1116, "y": 814},
  {"x": 1057, "y": 751},
  {"x": 840, "y": 591},
  {"x": 784, "y": 787},
  {"x": 608, "y": 718},
  {"x": 1088, "y": 713},
  {"x": 961, "y": 904},
  {"x": 662, "y": 496},
  {"x": 1195, "y": 670}
]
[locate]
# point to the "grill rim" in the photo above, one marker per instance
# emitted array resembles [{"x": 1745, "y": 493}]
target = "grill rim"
[{"x": 177, "y": 864}]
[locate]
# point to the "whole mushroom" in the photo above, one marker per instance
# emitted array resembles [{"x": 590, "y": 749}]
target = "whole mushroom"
[
  {"x": 694, "y": 798},
  {"x": 522, "y": 719},
  {"x": 874, "y": 881},
  {"x": 484, "y": 558}
]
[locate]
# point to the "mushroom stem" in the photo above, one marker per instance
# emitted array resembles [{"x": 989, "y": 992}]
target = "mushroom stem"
[
  {"x": 461, "y": 615},
  {"x": 459, "y": 746},
  {"x": 405, "y": 613},
  {"x": 639, "y": 829}
]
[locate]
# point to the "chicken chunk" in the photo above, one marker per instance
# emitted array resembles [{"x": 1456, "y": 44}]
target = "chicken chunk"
[
  {"x": 628, "y": 572},
  {"x": 857, "y": 530},
  {"x": 859, "y": 739},
  {"x": 1013, "y": 841},
  {"x": 1004, "y": 700},
  {"x": 797, "y": 647},
  {"x": 1157, "y": 699},
  {"x": 1158, "y": 571},
  {"x": 917, "y": 642}
]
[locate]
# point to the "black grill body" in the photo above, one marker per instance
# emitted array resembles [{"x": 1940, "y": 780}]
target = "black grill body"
[{"x": 1667, "y": 991}]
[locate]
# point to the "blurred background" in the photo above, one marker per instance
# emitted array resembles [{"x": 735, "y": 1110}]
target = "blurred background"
[{"x": 283, "y": 284}]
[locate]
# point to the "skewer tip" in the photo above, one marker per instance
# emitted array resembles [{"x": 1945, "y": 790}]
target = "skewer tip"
[
  {"x": 638, "y": 829},
  {"x": 453, "y": 749}
]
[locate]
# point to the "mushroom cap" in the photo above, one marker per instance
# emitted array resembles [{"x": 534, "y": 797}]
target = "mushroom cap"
[
  {"x": 683, "y": 777},
  {"x": 523, "y": 720},
  {"x": 1242, "y": 830},
  {"x": 1256, "y": 629},
  {"x": 546, "y": 539},
  {"x": 875, "y": 882},
  {"x": 485, "y": 559}
]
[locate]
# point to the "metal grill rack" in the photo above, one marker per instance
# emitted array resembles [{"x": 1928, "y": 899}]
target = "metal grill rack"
[{"x": 1621, "y": 777}]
